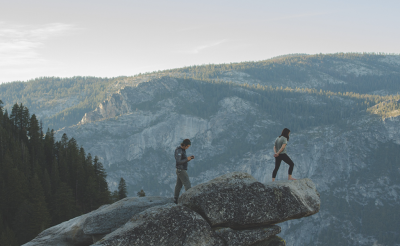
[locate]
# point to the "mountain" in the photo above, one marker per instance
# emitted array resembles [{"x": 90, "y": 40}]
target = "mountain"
[{"x": 342, "y": 110}]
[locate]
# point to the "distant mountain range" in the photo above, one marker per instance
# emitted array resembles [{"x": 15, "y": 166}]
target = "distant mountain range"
[{"x": 343, "y": 111}]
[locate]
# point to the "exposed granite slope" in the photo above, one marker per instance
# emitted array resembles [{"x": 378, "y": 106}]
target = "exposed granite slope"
[
  {"x": 164, "y": 225},
  {"x": 247, "y": 237},
  {"x": 67, "y": 233},
  {"x": 239, "y": 201},
  {"x": 117, "y": 214}
]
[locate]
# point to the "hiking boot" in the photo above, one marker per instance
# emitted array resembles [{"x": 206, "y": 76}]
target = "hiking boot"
[{"x": 176, "y": 200}]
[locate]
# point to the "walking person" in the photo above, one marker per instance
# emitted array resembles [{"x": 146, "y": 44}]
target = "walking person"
[
  {"x": 281, "y": 155},
  {"x": 181, "y": 167}
]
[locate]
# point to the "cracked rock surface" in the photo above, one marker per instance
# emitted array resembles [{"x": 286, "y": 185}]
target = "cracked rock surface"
[
  {"x": 272, "y": 241},
  {"x": 247, "y": 237},
  {"x": 67, "y": 233},
  {"x": 117, "y": 214},
  {"x": 239, "y": 201},
  {"x": 169, "y": 224}
]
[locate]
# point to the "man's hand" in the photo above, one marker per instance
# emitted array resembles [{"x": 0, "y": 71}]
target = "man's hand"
[
  {"x": 190, "y": 158},
  {"x": 276, "y": 155}
]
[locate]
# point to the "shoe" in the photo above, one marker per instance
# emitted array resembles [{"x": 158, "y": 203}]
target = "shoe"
[{"x": 175, "y": 200}]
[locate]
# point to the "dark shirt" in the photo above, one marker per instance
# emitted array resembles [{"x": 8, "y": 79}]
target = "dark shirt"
[{"x": 181, "y": 158}]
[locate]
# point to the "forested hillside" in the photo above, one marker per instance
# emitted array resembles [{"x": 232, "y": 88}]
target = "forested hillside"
[
  {"x": 58, "y": 102},
  {"x": 341, "y": 72},
  {"x": 43, "y": 181},
  {"x": 61, "y": 102}
]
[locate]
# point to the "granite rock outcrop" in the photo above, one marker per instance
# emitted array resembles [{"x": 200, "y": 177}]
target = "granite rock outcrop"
[
  {"x": 239, "y": 201},
  {"x": 169, "y": 224},
  {"x": 104, "y": 221},
  {"x": 247, "y": 237},
  {"x": 67, "y": 233},
  {"x": 233, "y": 209}
]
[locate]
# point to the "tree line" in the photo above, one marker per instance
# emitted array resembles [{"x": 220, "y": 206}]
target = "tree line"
[
  {"x": 44, "y": 182},
  {"x": 300, "y": 68},
  {"x": 270, "y": 98},
  {"x": 74, "y": 96}
]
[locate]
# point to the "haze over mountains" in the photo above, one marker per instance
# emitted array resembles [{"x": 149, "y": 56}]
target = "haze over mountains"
[{"x": 343, "y": 111}]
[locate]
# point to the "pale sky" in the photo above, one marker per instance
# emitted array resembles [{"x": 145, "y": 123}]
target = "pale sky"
[{"x": 115, "y": 38}]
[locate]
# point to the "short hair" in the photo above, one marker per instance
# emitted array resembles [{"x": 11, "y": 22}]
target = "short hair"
[{"x": 186, "y": 142}]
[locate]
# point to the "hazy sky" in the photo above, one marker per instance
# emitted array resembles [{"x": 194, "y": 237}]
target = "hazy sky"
[{"x": 114, "y": 38}]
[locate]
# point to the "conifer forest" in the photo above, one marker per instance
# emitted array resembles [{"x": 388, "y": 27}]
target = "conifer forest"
[{"x": 43, "y": 181}]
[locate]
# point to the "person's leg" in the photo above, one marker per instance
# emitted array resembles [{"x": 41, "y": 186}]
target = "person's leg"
[
  {"x": 278, "y": 161},
  {"x": 178, "y": 186},
  {"x": 185, "y": 179},
  {"x": 289, "y": 161}
]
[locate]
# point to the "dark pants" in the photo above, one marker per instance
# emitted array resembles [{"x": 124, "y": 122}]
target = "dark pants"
[
  {"x": 278, "y": 160},
  {"x": 182, "y": 179}
]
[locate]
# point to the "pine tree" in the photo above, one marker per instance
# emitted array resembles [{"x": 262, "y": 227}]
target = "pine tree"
[
  {"x": 8, "y": 238},
  {"x": 34, "y": 142},
  {"x": 46, "y": 183},
  {"x": 91, "y": 195},
  {"x": 54, "y": 176},
  {"x": 16, "y": 192},
  {"x": 1, "y": 223},
  {"x": 102, "y": 186},
  {"x": 39, "y": 217},
  {"x": 49, "y": 149},
  {"x": 1, "y": 113},
  {"x": 14, "y": 116},
  {"x": 122, "y": 191},
  {"x": 141, "y": 193},
  {"x": 24, "y": 121},
  {"x": 63, "y": 206},
  {"x": 22, "y": 221},
  {"x": 114, "y": 196}
]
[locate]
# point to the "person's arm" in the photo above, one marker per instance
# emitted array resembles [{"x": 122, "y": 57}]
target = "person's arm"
[
  {"x": 178, "y": 156},
  {"x": 282, "y": 148},
  {"x": 275, "y": 155}
]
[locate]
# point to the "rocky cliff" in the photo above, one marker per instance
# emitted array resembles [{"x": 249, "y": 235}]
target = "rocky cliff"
[
  {"x": 235, "y": 132},
  {"x": 204, "y": 216}
]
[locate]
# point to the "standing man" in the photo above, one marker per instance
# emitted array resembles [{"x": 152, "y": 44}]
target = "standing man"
[{"x": 181, "y": 167}]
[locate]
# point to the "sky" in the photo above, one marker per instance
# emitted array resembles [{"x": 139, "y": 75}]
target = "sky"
[{"x": 126, "y": 37}]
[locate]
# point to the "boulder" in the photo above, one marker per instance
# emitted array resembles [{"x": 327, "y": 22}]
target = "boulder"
[
  {"x": 272, "y": 241},
  {"x": 88, "y": 228},
  {"x": 68, "y": 233},
  {"x": 168, "y": 224},
  {"x": 117, "y": 214},
  {"x": 247, "y": 237},
  {"x": 239, "y": 201}
]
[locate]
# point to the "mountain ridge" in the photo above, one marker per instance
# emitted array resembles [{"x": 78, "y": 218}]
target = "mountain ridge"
[
  {"x": 340, "y": 108},
  {"x": 86, "y": 93}
]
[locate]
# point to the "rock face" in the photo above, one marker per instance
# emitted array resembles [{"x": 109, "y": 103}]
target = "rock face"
[
  {"x": 149, "y": 135},
  {"x": 239, "y": 201},
  {"x": 272, "y": 241},
  {"x": 247, "y": 237},
  {"x": 65, "y": 234},
  {"x": 117, "y": 214},
  {"x": 85, "y": 229},
  {"x": 169, "y": 224},
  {"x": 236, "y": 201}
]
